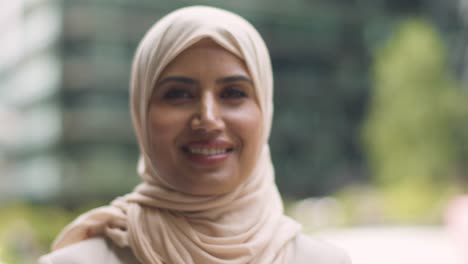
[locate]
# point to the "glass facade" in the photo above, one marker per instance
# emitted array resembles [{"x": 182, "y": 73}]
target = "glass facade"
[{"x": 30, "y": 114}]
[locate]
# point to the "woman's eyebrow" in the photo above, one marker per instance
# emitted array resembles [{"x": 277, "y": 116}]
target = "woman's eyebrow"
[
  {"x": 181, "y": 79},
  {"x": 234, "y": 78}
]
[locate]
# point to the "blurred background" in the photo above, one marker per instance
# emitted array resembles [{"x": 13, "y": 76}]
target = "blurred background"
[{"x": 370, "y": 135}]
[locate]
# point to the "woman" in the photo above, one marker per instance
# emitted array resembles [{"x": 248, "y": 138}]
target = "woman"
[{"x": 201, "y": 102}]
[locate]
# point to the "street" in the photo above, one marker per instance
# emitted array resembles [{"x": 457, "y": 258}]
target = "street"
[{"x": 395, "y": 245}]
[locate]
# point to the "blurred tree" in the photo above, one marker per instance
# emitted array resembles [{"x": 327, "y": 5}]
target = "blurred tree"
[{"x": 410, "y": 131}]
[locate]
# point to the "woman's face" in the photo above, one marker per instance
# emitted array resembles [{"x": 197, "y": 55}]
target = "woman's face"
[{"x": 204, "y": 122}]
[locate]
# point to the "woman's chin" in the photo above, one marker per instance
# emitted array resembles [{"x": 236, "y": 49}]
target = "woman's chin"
[{"x": 213, "y": 182}]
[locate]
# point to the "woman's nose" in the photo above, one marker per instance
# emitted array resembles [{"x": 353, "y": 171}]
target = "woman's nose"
[{"x": 208, "y": 115}]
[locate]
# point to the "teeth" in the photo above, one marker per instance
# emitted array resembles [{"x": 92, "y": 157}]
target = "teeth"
[{"x": 207, "y": 151}]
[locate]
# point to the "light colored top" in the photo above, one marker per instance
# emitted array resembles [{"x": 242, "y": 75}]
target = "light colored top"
[{"x": 101, "y": 250}]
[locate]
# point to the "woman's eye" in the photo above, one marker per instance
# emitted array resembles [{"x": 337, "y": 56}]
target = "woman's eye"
[
  {"x": 174, "y": 94},
  {"x": 233, "y": 93}
]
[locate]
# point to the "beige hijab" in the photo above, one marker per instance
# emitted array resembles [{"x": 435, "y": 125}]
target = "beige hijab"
[{"x": 162, "y": 225}]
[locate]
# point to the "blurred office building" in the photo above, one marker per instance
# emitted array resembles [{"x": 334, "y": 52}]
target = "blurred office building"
[
  {"x": 65, "y": 127},
  {"x": 65, "y": 130},
  {"x": 30, "y": 109}
]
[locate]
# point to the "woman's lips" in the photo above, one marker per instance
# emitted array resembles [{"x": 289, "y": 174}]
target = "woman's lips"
[{"x": 208, "y": 152}]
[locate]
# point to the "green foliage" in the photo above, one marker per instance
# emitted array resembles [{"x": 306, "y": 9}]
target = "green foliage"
[
  {"x": 415, "y": 204},
  {"x": 27, "y": 231},
  {"x": 402, "y": 204},
  {"x": 414, "y": 111}
]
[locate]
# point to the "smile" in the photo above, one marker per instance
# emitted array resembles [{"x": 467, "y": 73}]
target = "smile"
[{"x": 206, "y": 151}]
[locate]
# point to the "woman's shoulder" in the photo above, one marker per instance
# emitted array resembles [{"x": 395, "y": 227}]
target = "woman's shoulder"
[
  {"x": 101, "y": 250},
  {"x": 93, "y": 250},
  {"x": 309, "y": 250}
]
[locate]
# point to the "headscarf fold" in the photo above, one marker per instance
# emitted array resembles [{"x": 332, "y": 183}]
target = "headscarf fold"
[{"x": 163, "y": 225}]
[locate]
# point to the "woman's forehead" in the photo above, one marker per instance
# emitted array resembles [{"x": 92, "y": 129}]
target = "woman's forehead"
[
  {"x": 206, "y": 42},
  {"x": 203, "y": 52}
]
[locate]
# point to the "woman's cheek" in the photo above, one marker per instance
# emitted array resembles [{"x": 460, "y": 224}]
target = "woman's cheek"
[
  {"x": 248, "y": 126},
  {"x": 164, "y": 128}
]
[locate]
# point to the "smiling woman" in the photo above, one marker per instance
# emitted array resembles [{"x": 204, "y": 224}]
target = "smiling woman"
[
  {"x": 204, "y": 121},
  {"x": 201, "y": 102}
]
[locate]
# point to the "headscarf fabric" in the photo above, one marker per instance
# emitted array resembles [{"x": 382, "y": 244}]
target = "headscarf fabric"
[{"x": 162, "y": 225}]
